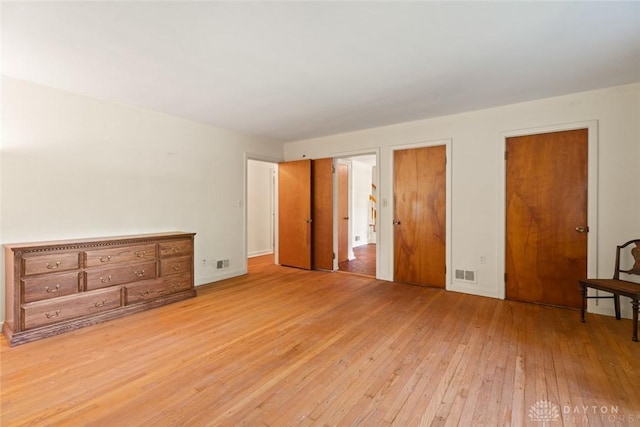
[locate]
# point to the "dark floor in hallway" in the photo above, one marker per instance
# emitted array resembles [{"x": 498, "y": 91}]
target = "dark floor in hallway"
[{"x": 364, "y": 263}]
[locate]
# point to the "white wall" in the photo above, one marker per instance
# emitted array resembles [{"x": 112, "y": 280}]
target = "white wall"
[
  {"x": 74, "y": 166},
  {"x": 477, "y": 153},
  {"x": 260, "y": 209},
  {"x": 361, "y": 189}
]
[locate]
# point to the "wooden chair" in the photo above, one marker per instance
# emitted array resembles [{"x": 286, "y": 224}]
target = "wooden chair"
[{"x": 616, "y": 286}]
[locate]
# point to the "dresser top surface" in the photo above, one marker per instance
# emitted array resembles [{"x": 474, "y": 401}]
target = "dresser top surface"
[{"x": 98, "y": 241}]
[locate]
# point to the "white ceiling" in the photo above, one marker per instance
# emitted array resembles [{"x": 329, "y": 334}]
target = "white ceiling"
[{"x": 295, "y": 70}]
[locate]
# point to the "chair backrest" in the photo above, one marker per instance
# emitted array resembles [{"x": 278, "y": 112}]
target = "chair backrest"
[{"x": 635, "y": 254}]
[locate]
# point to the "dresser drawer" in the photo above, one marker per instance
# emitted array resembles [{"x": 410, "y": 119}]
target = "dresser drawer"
[
  {"x": 103, "y": 257},
  {"x": 84, "y": 304},
  {"x": 51, "y": 262},
  {"x": 176, "y": 248},
  {"x": 50, "y": 286},
  {"x": 151, "y": 289},
  {"x": 176, "y": 265},
  {"x": 103, "y": 277}
]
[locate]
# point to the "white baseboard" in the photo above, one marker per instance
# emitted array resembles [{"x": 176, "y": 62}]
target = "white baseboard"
[
  {"x": 260, "y": 253},
  {"x": 225, "y": 274},
  {"x": 472, "y": 290}
]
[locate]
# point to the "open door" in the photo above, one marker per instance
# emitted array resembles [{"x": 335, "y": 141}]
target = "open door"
[
  {"x": 343, "y": 212},
  {"x": 322, "y": 211},
  {"x": 305, "y": 218},
  {"x": 294, "y": 213}
]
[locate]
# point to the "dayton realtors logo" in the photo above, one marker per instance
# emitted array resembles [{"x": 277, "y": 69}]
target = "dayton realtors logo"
[
  {"x": 544, "y": 411},
  {"x": 547, "y": 412}
]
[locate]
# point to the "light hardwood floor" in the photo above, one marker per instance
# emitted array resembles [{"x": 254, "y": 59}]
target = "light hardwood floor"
[{"x": 282, "y": 346}]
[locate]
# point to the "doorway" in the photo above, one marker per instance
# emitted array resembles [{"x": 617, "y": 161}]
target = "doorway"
[
  {"x": 357, "y": 214},
  {"x": 261, "y": 208}
]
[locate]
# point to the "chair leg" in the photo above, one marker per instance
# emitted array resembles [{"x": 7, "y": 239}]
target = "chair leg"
[
  {"x": 583, "y": 293},
  {"x": 634, "y": 304},
  {"x": 616, "y": 303}
]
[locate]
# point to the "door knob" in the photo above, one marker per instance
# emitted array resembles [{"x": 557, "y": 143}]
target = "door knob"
[
  {"x": 582, "y": 229},
  {"x": 396, "y": 222}
]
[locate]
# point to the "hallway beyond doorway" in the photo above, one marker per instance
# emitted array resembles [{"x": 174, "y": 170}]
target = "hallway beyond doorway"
[{"x": 364, "y": 262}]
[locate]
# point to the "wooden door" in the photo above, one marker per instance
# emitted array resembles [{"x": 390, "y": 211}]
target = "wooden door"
[
  {"x": 305, "y": 214},
  {"x": 322, "y": 214},
  {"x": 419, "y": 195},
  {"x": 546, "y": 217},
  {"x": 343, "y": 212},
  {"x": 294, "y": 214}
]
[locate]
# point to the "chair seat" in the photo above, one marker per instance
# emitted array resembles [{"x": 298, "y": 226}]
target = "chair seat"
[{"x": 621, "y": 287}]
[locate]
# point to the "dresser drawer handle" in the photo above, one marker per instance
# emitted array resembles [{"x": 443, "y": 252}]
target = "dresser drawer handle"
[
  {"x": 100, "y": 304},
  {"x": 52, "y": 290},
  {"x": 177, "y": 286},
  {"x": 105, "y": 259},
  {"x": 107, "y": 280},
  {"x": 51, "y": 315},
  {"x": 177, "y": 249},
  {"x": 141, "y": 254},
  {"x": 139, "y": 273},
  {"x": 53, "y": 267},
  {"x": 145, "y": 293},
  {"x": 176, "y": 267}
]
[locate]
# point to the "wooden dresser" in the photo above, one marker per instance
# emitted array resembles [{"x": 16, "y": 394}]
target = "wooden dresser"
[{"x": 55, "y": 287}]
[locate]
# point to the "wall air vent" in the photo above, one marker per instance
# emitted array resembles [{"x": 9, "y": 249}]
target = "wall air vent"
[{"x": 465, "y": 275}]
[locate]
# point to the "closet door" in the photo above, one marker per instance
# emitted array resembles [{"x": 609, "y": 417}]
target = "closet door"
[
  {"x": 322, "y": 214},
  {"x": 305, "y": 217},
  {"x": 343, "y": 212},
  {"x": 546, "y": 217},
  {"x": 294, "y": 213},
  {"x": 419, "y": 200}
]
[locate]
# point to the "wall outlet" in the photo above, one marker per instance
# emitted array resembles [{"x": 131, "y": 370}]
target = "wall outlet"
[{"x": 357, "y": 238}]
